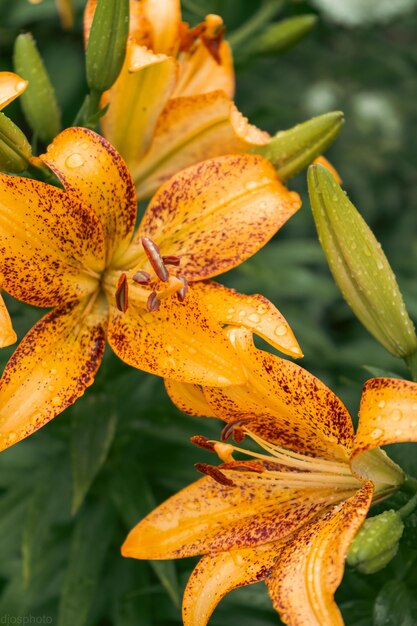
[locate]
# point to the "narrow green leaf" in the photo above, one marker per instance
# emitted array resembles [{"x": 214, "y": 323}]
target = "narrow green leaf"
[
  {"x": 93, "y": 430},
  {"x": 394, "y": 605},
  {"x": 90, "y": 541},
  {"x": 134, "y": 499}
]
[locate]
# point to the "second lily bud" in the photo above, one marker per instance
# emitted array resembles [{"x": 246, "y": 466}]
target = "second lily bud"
[{"x": 359, "y": 265}]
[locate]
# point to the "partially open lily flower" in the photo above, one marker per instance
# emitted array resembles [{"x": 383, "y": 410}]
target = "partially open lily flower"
[
  {"x": 171, "y": 105},
  {"x": 75, "y": 249},
  {"x": 288, "y": 513}
]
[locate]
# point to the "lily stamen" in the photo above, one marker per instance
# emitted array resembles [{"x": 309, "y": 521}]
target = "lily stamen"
[
  {"x": 155, "y": 259},
  {"x": 215, "y": 473},
  {"x": 142, "y": 277},
  {"x": 122, "y": 296}
]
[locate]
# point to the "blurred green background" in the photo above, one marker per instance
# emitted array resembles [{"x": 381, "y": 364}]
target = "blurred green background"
[{"x": 71, "y": 492}]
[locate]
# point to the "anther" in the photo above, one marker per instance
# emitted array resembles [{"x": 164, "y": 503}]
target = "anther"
[
  {"x": 215, "y": 473},
  {"x": 230, "y": 428},
  {"x": 122, "y": 299},
  {"x": 240, "y": 466},
  {"x": 141, "y": 277},
  {"x": 171, "y": 259},
  {"x": 154, "y": 255},
  {"x": 181, "y": 293},
  {"x": 203, "y": 442},
  {"x": 153, "y": 302}
]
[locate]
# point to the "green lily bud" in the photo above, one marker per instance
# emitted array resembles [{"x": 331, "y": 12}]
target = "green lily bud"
[
  {"x": 376, "y": 543},
  {"x": 359, "y": 265},
  {"x": 107, "y": 43},
  {"x": 15, "y": 150},
  {"x": 282, "y": 35},
  {"x": 290, "y": 151},
  {"x": 38, "y": 101}
]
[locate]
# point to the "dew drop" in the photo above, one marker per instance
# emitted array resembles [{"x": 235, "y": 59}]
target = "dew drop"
[
  {"x": 231, "y": 311},
  {"x": 280, "y": 330},
  {"x": 376, "y": 433},
  {"x": 12, "y": 437},
  {"x": 414, "y": 407},
  {"x": 398, "y": 432},
  {"x": 396, "y": 415},
  {"x": 74, "y": 160},
  {"x": 252, "y": 184},
  {"x": 56, "y": 401},
  {"x": 381, "y": 404},
  {"x": 242, "y": 313},
  {"x": 21, "y": 85},
  {"x": 169, "y": 348},
  {"x": 253, "y": 317}
]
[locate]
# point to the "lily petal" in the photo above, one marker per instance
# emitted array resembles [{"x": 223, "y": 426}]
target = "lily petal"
[
  {"x": 52, "y": 245},
  {"x": 311, "y": 565},
  {"x": 218, "y": 574},
  {"x": 255, "y": 313},
  {"x": 11, "y": 86},
  {"x": 190, "y": 130},
  {"x": 51, "y": 368},
  {"x": 140, "y": 28},
  {"x": 387, "y": 414},
  {"x": 136, "y": 100},
  {"x": 188, "y": 398},
  {"x": 7, "y": 334},
  {"x": 92, "y": 171},
  {"x": 211, "y": 517},
  {"x": 216, "y": 214},
  {"x": 285, "y": 403},
  {"x": 201, "y": 73},
  {"x": 180, "y": 341},
  {"x": 165, "y": 18}
]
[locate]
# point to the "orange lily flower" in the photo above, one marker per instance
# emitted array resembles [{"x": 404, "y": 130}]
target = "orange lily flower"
[
  {"x": 171, "y": 105},
  {"x": 288, "y": 515},
  {"x": 75, "y": 250}
]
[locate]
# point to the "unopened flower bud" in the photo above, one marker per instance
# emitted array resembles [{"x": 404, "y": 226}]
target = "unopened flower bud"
[
  {"x": 38, "y": 101},
  {"x": 376, "y": 542},
  {"x": 106, "y": 47},
  {"x": 359, "y": 265},
  {"x": 282, "y": 35},
  {"x": 290, "y": 151},
  {"x": 15, "y": 150}
]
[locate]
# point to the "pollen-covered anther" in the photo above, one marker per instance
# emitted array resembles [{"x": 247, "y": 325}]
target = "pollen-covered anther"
[
  {"x": 234, "y": 428},
  {"x": 203, "y": 442},
  {"x": 171, "y": 259},
  {"x": 155, "y": 259},
  {"x": 142, "y": 277},
  {"x": 215, "y": 473},
  {"x": 181, "y": 293},
  {"x": 244, "y": 466},
  {"x": 121, "y": 296},
  {"x": 153, "y": 303}
]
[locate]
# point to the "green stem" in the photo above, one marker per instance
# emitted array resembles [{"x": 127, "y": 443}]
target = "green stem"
[
  {"x": 263, "y": 16},
  {"x": 411, "y": 362},
  {"x": 408, "y": 508},
  {"x": 410, "y": 484}
]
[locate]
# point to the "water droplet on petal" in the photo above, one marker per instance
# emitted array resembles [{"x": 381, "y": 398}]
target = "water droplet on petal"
[
  {"x": 280, "y": 330},
  {"x": 169, "y": 348},
  {"x": 242, "y": 313},
  {"x": 252, "y": 184},
  {"x": 376, "y": 433},
  {"x": 74, "y": 160},
  {"x": 381, "y": 404},
  {"x": 254, "y": 318},
  {"x": 398, "y": 432},
  {"x": 414, "y": 407},
  {"x": 56, "y": 401},
  {"x": 396, "y": 415},
  {"x": 12, "y": 437}
]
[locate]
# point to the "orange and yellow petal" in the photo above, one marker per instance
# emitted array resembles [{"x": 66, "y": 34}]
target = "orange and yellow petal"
[
  {"x": 7, "y": 334},
  {"x": 286, "y": 404},
  {"x": 11, "y": 86},
  {"x": 216, "y": 214},
  {"x": 218, "y": 574},
  {"x": 136, "y": 101},
  {"x": 201, "y": 73},
  {"x": 180, "y": 341},
  {"x": 211, "y": 517},
  {"x": 387, "y": 414},
  {"x": 188, "y": 398},
  {"x": 190, "y": 130},
  {"x": 94, "y": 174},
  {"x": 164, "y": 16},
  {"x": 254, "y": 313},
  {"x": 52, "y": 245},
  {"x": 310, "y": 567},
  {"x": 51, "y": 368}
]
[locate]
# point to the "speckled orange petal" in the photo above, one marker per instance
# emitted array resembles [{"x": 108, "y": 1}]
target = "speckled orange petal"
[
  {"x": 52, "y": 246},
  {"x": 255, "y": 313},
  {"x": 188, "y": 398},
  {"x": 310, "y": 567},
  {"x": 216, "y": 214},
  {"x": 211, "y": 517},
  {"x": 7, "y": 334},
  {"x": 218, "y": 574},
  {"x": 200, "y": 72},
  {"x": 287, "y": 405},
  {"x": 136, "y": 101},
  {"x": 179, "y": 341},
  {"x": 387, "y": 414},
  {"x": 165, "y": 18},
  {"x": 11, "y": 86},
  {"x": 51, "y": 368},
  {"x": 139, "y": 26},
  {"x": 94, "y": 173},
  {"x": 190, "y": 130}
]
